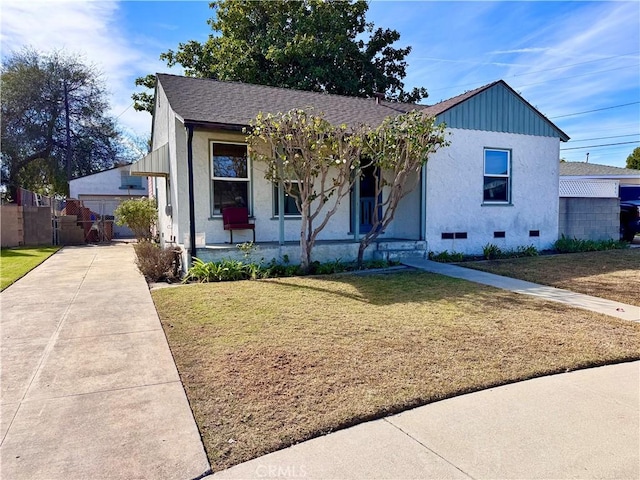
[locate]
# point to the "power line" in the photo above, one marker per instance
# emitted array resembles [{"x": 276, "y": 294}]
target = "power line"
[
  {"x": 123, "y": 112},
  {"x": 598, "y": 146},
  {"x": 604, "y": 138},
  {"x": 596, "y": 110}
]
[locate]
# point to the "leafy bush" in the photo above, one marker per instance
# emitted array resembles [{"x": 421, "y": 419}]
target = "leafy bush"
[
  {"x": 230, "y": 270},
  {"x": 528, "y": 251},
  {"x": 573, "y": 245},
  {"x": 157, "y": 263},
  {"x": 446, "y": 257},
  {"x": 492, "y": 252},
  {"x": 140, "y": 215}
]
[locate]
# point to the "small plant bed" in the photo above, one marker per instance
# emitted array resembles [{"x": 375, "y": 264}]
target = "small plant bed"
[
  {"x": 156, "y": 263},
  {"x": 611, "y": 274},
  {"x": 267, "y": 364},
  {"x": 233, "y": 270},
  {"x": 17, "y": 262},
  {"x": 563, "y": 245}
]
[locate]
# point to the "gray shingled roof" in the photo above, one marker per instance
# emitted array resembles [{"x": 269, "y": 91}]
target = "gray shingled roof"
[
  {"x": 203, "y": 100},
  {"x": 210, "y": 101},
  {"x": 445, "y": 105},
  {"x": 582, "y": 169}
]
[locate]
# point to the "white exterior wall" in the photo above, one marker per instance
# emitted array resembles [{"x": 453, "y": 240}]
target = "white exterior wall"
[
  {"x": 455, "y": 193},
  {"x": 262, "y": 203},
  {"x": 105, "y": 183},
  {"x": 164, "y": 130}
]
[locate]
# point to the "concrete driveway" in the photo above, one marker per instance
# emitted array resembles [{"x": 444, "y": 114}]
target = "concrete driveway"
[{"x": 89, "y": 386}]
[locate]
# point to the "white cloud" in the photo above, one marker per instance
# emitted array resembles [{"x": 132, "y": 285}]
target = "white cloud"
[{"x": 88, "y": 28}]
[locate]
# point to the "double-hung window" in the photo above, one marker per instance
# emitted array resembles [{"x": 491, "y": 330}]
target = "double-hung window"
[
  {"x": 497, "y": 176},
  {"x": 230, "y": 181},
  {"x": 290, "y": 207}
]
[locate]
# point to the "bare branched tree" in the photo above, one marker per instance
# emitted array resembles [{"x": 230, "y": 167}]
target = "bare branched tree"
[{"x": 315, "y": 162}]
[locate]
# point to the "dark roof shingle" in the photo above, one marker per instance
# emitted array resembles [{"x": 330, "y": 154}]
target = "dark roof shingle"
[{"x": 235, "y": 103}]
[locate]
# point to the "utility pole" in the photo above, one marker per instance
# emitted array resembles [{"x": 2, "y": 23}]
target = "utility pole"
[{"x": 68, "y": 127}]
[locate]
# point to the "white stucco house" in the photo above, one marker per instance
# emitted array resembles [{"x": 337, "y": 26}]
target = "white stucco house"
[
  {"x": 102, "y": 192},
  {"x": 497, "y": 182}
]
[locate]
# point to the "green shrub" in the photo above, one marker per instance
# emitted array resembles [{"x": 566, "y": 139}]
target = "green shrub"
[
  {"x": 140, "y": 215},
  {"x": 230, "y": 270},
  {"x": 491, "y": 251},
  {"x": 156, "y": 263},
  {"x": 446, "y": 257},
  {"x": 573, "y": 245},
  {"x": 528, "y": 251}
]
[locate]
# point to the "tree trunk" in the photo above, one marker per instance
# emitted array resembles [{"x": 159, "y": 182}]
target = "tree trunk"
[{"x": 361, "y": 250}]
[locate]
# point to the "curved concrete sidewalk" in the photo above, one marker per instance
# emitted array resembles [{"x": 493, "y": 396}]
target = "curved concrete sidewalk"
[
  {"x": 579, "y": 300},
  {"x": 583, "y": 424},
  {"x": 89, "y": 386}
]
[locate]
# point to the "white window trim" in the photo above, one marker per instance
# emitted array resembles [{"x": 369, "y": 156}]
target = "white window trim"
[
  {"x": 507, "y": 176},
  {"x": 213, "y": 178}
]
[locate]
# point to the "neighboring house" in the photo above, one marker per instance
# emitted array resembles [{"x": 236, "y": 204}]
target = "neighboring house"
[
  {"x": 102, "y": 192},
  {"x": 496, "y": 183},
  {"x": 589, "y": 199},
  {"x": 594, "y": 171}
]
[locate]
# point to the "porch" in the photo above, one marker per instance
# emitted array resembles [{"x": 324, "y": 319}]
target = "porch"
[{"x": 323, "y": 251}]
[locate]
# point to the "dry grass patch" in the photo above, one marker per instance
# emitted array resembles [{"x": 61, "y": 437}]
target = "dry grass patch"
[
  {"x": 267, "y": 364},
  {"x": 613, "y": 274}
]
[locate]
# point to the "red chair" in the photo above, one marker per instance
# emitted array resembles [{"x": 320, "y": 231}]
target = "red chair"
[{"x": 237, "y": 218}]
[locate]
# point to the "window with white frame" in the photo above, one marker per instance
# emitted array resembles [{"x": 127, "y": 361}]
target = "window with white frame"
[
  {"x": 497, "y": 176},
  {"x": 230, "y": 181},
  {"x": 290, "y": 207}
]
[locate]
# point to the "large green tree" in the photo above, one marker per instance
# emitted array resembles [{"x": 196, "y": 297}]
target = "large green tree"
[
  {"x": 633, "y": 160},
  {"x": 318, "y": 45},
  {"x": 54, "y": 122}
]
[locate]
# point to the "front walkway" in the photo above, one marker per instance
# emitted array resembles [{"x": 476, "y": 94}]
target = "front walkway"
[
  {"x": 89, "y": 386},
  {"x": 582, "y": 424},
  {"x": 579, "y": 300}
]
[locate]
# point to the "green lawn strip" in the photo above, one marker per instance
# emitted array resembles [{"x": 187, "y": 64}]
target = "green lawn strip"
[
  {"x": 17, "y": 262},
  {"x": 267, "y": 364},
  {"x": 611, "y": 274}
]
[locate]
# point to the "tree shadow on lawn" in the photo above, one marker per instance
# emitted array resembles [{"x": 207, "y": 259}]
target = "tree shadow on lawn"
[
  {"x": 417, "y": 288},
  {"x": 11, "y": 252}
]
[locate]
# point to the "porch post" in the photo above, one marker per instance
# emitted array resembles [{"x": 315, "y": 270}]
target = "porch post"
[
  {"x": 423, "y": 202},
  {"x": 280, "y": 199},
  {"x": 356, "y": 206},
  {"x": 281, "y": 211}
]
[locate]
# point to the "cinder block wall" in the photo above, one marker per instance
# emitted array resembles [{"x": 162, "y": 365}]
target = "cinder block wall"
[
  {"x": 11, "y": 226},
  {"x": 590, "y": 218},
  {"x": 37, "y": 225}
]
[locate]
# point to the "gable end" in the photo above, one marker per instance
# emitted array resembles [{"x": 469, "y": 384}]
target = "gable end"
[{"x": 500, "y": 109}]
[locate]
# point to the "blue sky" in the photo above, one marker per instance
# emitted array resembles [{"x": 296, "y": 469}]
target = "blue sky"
[{"x": 563, "y": 57}]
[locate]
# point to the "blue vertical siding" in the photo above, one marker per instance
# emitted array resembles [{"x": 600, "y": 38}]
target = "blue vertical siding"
[{"x": 498, "y": 109}]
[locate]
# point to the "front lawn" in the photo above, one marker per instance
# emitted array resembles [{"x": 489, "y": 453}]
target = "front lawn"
[
  {"x": 16, "y": 262},
  {"x": 612, "y": 274},
  {"x": 270, "y": 363}
]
